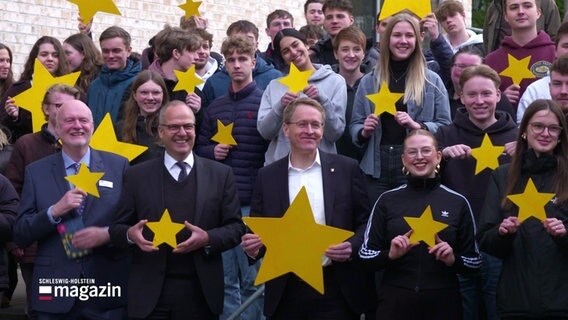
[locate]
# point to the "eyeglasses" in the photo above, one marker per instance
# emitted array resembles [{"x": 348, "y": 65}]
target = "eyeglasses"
[
  {"x": 425, "y": 152},
  {"x": 538, "y": 128},
  {"x": 306, "y": 124},
  {"x": 175, "y": 128}
]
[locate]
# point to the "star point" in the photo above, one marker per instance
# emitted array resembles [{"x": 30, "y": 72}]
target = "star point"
[
  {"x": 191, "y": 8},
  {"x": 384, "y": 100},
  {"x": 224, "y": 134},
  {"x": 296, "y": 80},
  {"x": 165, "y": 230},
  {"x": 531, "y": 202},
  {"x": 295, "y": 243},
  {"x": 104, "y": 139},
  {"x": 86, "y": 180},
  {"x": 425, "y": 228},
  {"x": 518, "y": 69},
  {"x": 32, "y": 98},
  {"x": 187, "y": 80},
  {"x": 487, "y": 155},
  {"x": 88, "y": 8},
  {"x": 421, "y": 8}
]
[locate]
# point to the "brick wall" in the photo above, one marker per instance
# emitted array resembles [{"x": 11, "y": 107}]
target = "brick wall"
[{"x": 22, "y": 22}]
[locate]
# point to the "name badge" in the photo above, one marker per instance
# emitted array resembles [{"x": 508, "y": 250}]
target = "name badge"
[{"x": 106, "y": 184}]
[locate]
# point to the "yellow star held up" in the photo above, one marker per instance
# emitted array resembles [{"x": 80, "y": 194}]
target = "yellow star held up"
[
  {"x": 384, "y": 100},
  {"x": 296, "y": 80},
  {"x": 224, "y": 134},
  {"x": 88, "y": 8},
  {"x": 32, "y": 98},
  {"x": 104, "y": 139},
  {"x": 191, "y": 8},
  {"x": 518, "y": 70},
  {"x": 425, "y": 228},
  {"x": 419, "y": 7},
  {"x": 86, "y": 180},
  {"x": 531, "y": 202},
  {"x": 295, "y": 243},
  {"x": 187, "y": 80},
  {"x": 487, "y": 155},
  {"x": 165, "y": 230}
]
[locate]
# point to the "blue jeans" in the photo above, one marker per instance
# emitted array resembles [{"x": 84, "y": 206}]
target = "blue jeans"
[
  {"x": 239, "y": 282},
  {"x": 481, "y": 286}
]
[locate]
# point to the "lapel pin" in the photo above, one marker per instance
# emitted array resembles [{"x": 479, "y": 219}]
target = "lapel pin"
[{"x": 332, "y": 169}]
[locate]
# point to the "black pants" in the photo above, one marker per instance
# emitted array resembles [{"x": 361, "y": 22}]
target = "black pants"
[{"x": 403, "y": 304}]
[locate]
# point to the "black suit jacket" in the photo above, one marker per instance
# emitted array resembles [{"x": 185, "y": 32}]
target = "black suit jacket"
[
  {"x": 346, "y": 207},
  {"x": 217, "y": 212}
]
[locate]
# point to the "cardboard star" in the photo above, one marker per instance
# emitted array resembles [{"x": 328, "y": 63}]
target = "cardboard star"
[
  {"x": 487, "y": 155},
  {"x": 531, "y": 202},
  {"x": 518, "y": 69},
  {"x": 86, "y": 180},
  {"x": 32, "y": 98},
  {"x": 165, "y": 230},
  {"x": 295, "y": 243},
  {"x": 224, "y": 134},
  {"x": 190, "y": 8},
  {"x": 296, "y": 80},
  {"x": 425, "y": 227},
  {"x": 88, "y": 8},
  {"x": 419, "y": 7},
  {"x": 104, "y": 139},
  {"x": 187, "y": 80},
  {"x": 384, "y": 100}
]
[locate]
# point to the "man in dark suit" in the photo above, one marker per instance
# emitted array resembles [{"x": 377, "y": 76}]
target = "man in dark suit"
[
  {"x": 338, "y": 198},
  {"x": 186, "y": 282},
  {"x": 51, "y": 208}
]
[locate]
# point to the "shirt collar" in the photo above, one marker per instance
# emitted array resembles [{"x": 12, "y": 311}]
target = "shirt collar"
[
  {"x": 317, "y": 161},
  {"x": 170, "y": 162},
  {"x": 68, "y": 162}
]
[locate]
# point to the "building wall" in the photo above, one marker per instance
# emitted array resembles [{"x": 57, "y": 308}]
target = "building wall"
[{"x": 22, "y": 22}]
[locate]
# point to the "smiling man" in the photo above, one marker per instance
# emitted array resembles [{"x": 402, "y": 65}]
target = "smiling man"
[
  {"x": 109, "y": 90},
  {"x": 52, "y": 211}
]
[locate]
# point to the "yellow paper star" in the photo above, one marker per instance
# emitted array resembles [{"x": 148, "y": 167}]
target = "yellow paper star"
[
  {"x": 295, "y": 243},
  {"x": 187, "y": 80},
  {"x": 32, "y": 98},
  {"x": 88, "y": 8},
  {"x": 86, "y": 180},
  {"x": 191, "y": 8},
  {"x": 425, "y": 227},
  {"x": 421, "y": 8},
  {"x": 296, "y": 80},
  {"x": 384, "y": 100},
  {"x": 165, "y": 230},
  {"x": 531, "y": 202},
  {"x": 487, "y": 155},
  {"x": 223, "y": 135},
  {"x": 518, "y": 69},
  {"x": 104, "y": 139}
]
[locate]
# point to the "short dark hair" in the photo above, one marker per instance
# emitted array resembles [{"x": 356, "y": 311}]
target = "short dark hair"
[
  {"x": 312, "y": 31},
  {"x": 279, "y": 13},
  {"x": 171, "y": 38},
  {"x": 243, "y": 26},
  {"x": 449, "y": 8},
  {"x": 343, "y": 5},
  {"x": 308, "y": 2},
  {"x": 560, "y": 66},
  {"x": 562, "y": 31},
  {"x": 116, "y": 32}
]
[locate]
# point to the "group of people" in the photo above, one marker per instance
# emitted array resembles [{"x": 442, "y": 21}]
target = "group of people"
[{"x": 383, "y": 132}]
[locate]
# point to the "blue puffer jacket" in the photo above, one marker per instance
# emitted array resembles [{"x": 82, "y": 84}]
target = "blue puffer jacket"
[
  {"x": 218, "y": 84},
  {"x": 240, "y": 108},
  {"x": 109, "y": 90}
]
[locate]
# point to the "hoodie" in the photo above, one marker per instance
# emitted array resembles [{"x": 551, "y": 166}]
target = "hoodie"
[
  {"x": 459, "y": 174},
  {"x": 541, "y": 50},
  {"x": 212, "y": 67},
  {"x": 333, "y": 98},
  {"x": 218, "y": 84},
  {"x": 475, "y": 40},
  {"x": 109, "y": 90}
]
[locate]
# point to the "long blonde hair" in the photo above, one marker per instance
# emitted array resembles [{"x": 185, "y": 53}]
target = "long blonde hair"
[{"x": 416, "y": 77}]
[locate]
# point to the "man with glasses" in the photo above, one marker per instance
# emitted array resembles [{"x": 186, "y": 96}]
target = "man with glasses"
[
  {"x": 166, "y": 282},
  {"x": 340, "y": 202}
]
